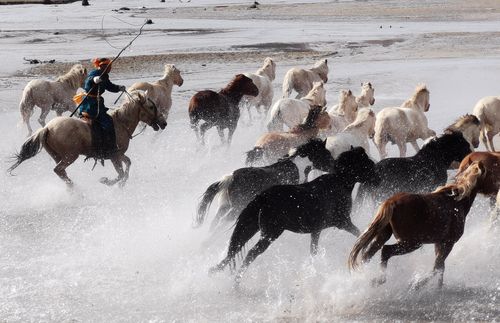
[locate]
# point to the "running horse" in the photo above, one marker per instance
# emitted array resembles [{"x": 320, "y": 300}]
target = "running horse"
[
  {"x": 415, "y": 219},
  {"x": 221, "y": 108},
  {"x": 66, "y": 138}
]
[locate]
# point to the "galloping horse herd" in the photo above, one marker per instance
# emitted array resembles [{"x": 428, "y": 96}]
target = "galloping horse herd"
[{"x": 417, "y": 205}]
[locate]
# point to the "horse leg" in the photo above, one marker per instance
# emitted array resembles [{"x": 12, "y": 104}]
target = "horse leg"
[
  {"x": 203, "y": 128},
  {"x": 43, "y": 116},
  {"x": 117, "y": 163},
  {"x": 127, "y": 163},
  {"x": 261, "y": 246},
  {"x": 314, "y": 242},
  {"x": 220, "y": 130},
  {"x": 381, "y": 146},
  {"x": 389, "y": 251},
  {"x": 61, "y": 166},
  {"x": 490, "y": 135},
  {"x": 442, "y": 250},
  {"x": 402, "y": 148},
  {"x": 307, "y": 170},
  {"x": 415, "y": 145},
  {"x": 231, "y": 130},
  {"x": 484, "y": 138},
  {"x": 350, "y": 227},
  {"x": 377, "y": 243}
]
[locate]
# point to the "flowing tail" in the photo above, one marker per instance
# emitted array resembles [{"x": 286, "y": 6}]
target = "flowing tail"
[
  {"x": 213, "y": 190},
  {"x": 30, "y": 148},
  {"x": 275, "y": 119},
  {"x": 245, "y": 228},
  {"x": 254, "y": 155},
  {"x": 26, "y": 107},
  {"x": 380, "y": 222},
  {"x": 287, "y": 85}
]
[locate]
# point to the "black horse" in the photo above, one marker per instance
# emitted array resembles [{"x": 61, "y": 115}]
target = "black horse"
[
  {"x": 239, "y": 188},
  {"x": 304, "y": 208},
  {"x": 421, "y": 173}
]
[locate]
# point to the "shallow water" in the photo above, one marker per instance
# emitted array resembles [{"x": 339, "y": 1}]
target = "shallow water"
[{"x": 108, "y": 254}]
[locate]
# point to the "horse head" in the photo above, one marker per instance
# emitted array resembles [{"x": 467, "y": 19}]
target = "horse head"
[
  {"x": 470, "y": 128},
  {"x": 243, "y": 85},
  {"x": 321, "y": 68},
  {"x": 368, "y": 92},
  {"x": 358, "y": 165},
  {"x": 174, "y": 73},
  {"x": 317, "y": 95},
  {"x": 421, "y": 97},
  {"x": 269, "y": 68},
  {"x": 149, "y": 112}
]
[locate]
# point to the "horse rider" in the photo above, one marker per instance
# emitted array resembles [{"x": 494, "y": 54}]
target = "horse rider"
[{"x": 94, "y": 109}]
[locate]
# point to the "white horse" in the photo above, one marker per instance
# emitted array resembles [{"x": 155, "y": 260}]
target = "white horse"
[
  {"x": 355, "y": 134},
  {"x": 47, "y": 95},
  {"x": 345, "y": 111},
  {"x": 301, "y": 80},
  {"x": 263, "y": 79},
  {"x": 487, "y": 111},
  {"x": 160, "y": 91},
  {"x": 291, "y": 112},
  {"x": 404, "y": 124}
]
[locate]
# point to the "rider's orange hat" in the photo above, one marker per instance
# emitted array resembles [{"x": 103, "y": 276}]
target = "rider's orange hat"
[{"x": 98, "y": 62}]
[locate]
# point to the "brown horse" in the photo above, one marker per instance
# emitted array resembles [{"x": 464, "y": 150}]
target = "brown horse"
[
  {"x": 66, "y": 138},
  {"x": 221, "y": 108},
  {"x": 274, "y": 145},
  {"x": 415, "y": 219},
  {"x": 491, "y": 182}
]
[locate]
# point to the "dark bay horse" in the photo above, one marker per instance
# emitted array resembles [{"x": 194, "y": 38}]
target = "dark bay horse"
[
  {"x": 221, "y": 108},
  {"x": 239, "y": 188},
  {"x": 423, "y": 172},
  {"x": 416, "y": 219},
  {"x": 305, "y": 208}
]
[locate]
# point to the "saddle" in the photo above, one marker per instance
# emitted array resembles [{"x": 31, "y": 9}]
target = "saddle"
[{"x": 103, "y": 140}]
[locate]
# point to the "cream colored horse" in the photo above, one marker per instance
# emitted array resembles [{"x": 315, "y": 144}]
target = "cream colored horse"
[
  {"x": 404, "y": 124},
  {"x": 274, "y": 145},
  {"x": 291, "y": 112},
  {"x": 56, "y": 95},
  {"x": 301, "y": 80},
  {"x": 469, "y": 126},
  {"x": 263, "y": 79},
  {"x": 66, "y": 138},
  {"x": 487, "y": 111},
  {"x": 355, "y": 134},
  {"x": 160, "y": 91},
  {"x": 345, "y": 112}
]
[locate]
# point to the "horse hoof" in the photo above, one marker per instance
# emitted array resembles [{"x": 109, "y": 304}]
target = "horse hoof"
[
  {"x": 214, "y": 270},
  {"x": 104, "y": 180}
]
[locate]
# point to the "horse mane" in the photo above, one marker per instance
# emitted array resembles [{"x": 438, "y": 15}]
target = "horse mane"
[
  {"x": 170, "y": 69},
  {"x": 361, "y": 118},
  {"x": 463, "y": 122},
  {"x": 310, "y": 121},
  {"x": 312, "y": 95},
  {"x": 321, "y": 67},
  {"x": 233, "y": 84},
  {"x": 465, "y": 182},
  {"x": 73, "y": 77},
  {"x": 437, "y": 144},
  {"x": 420, "y": 89}
]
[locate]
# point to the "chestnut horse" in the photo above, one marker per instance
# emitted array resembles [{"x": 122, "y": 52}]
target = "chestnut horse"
[
  {"x": 491, "y": 181},
  {"x": 221, "y": 108},
  {"x": 414, "y": 219}
]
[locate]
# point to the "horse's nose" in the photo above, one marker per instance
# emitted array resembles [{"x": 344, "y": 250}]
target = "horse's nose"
[
  {"x": 372, "y": 102},
  {"x": 181, "y": 82}
]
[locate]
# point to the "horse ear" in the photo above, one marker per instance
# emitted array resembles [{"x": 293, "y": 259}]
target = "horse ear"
[
  {"x": 352, "y": 148},
  {"x": 326, "y": 61},
  {"x": 324, "y": 142}
]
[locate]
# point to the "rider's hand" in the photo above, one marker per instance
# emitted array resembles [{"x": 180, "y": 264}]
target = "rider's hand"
[
  {"x": 122, "y": 88},
  {"x": 97, "y": 80}
]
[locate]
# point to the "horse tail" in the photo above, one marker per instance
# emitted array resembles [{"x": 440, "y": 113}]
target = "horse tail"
[
  {"x": 287, "y": 85},
  {"x": 247, "y": 225},
  {"x": 380, "y": 222},
  {"x": 30, "y": 148},
  {"x": 213, "y": 190},
  {"x": 275, "y": 119},
  {"x": 257, "y": 153},
  {"x": 26, "y": 104}
]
